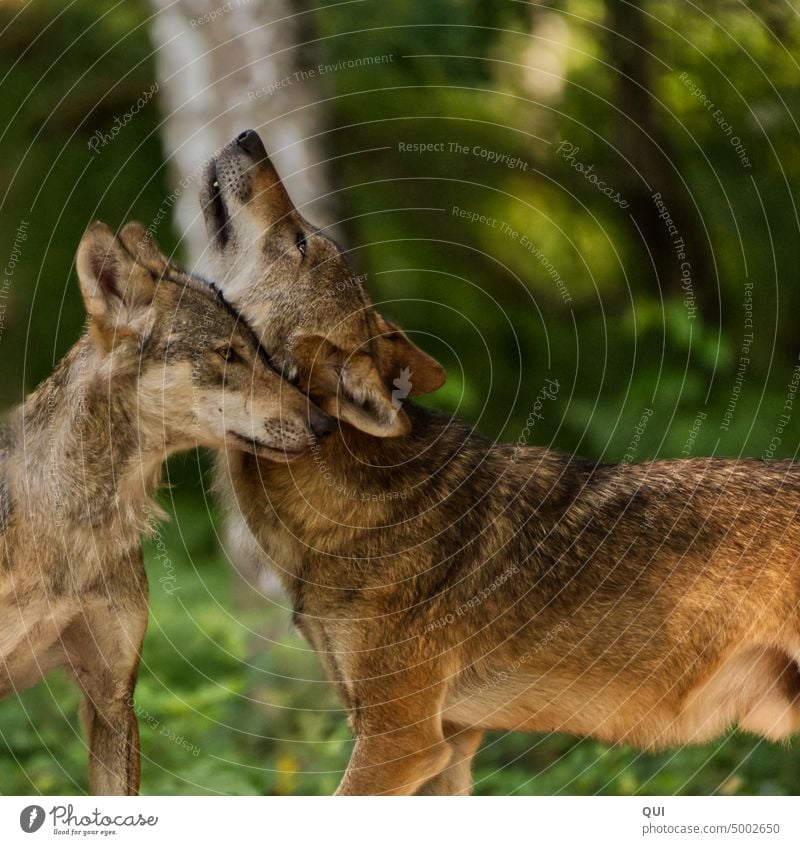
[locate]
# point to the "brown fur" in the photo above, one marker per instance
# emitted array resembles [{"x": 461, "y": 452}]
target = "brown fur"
[
  {"x": 80, "y": 461},
  {"x": 451, "y": 585}
]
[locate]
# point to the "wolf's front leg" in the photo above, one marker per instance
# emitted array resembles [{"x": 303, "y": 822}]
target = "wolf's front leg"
[
  {"x": 394, "y": 763},
  {"x": 113, "y": 737},
  {"x": 456, "y": 777},
  {"x": 105, "y": 651},
  {"x": 400, "y": 743}
]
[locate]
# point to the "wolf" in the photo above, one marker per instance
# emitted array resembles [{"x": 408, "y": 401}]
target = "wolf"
[
  {"x": 452, "y": 585},
  {"x": 165, "y": 364}
]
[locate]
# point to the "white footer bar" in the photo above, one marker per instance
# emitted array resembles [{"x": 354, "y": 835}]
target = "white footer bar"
[{"x": 402, "y": 821}]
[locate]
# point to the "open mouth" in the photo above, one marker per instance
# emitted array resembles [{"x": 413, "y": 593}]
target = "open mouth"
[
  {"x": 262, "y": 450},
  {"x": 215, "y": 212}
]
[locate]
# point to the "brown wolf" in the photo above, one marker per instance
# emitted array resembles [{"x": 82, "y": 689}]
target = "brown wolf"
[
  {"x": 165, "y": 364},
  {"x": 451, "y": 585}
]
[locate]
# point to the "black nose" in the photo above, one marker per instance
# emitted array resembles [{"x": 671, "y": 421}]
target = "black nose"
[
  {"x": 250, "y": 142},
  {"x": 321, "y": 424}
]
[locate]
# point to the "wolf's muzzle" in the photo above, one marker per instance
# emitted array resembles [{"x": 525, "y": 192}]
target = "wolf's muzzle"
[{"x": 250, "y": 142}]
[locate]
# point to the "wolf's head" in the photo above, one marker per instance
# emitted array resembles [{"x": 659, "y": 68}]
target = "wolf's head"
[
  {"x": 198, "y": 371},
  {"x": 294, "y": 286}
]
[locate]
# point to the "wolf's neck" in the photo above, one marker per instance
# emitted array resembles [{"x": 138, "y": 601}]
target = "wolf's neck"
[
  {"x": 82, "y": 453},
  {"x": 354, "y": 481}
]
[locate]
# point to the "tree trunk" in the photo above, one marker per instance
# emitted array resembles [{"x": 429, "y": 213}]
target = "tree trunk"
[
  {"x": 222, "y": 68},
  {"x": 648, "y": 149},
  {"x": 225, "y": 67}
]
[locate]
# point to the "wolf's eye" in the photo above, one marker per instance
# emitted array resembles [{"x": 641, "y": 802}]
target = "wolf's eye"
[
  {"x": 229, "y": 354},
  {"x": 302, "y": 244}
]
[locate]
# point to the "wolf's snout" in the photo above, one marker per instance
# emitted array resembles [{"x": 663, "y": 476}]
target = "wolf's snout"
[
  {"x": 321, "y": 424},
  {"x": 251, "y": 143}
]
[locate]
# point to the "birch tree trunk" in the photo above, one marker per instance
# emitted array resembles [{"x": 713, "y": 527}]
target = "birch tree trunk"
[{"x": 224, "y": 66}]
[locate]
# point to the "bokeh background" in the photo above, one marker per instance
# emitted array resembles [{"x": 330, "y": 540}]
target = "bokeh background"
[{"x": 558, "y": 122}]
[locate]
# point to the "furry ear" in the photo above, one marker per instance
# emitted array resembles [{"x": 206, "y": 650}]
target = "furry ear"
[
  {"x": 350, "y": 388},
  {"x": 116, "y": 290},
  {"x": 139, "y": 242},
  {"x": 404, "y": 362}
]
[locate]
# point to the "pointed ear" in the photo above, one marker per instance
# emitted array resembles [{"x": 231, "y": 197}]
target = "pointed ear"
[
  {"x": 116, "y": 290},
  {"x": 349, "y": 387},
  {"x": 139, "y": 242},
  {"x": 403, "y": 361}
]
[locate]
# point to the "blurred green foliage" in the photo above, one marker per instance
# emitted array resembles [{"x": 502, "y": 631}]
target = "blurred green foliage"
[{"x": 230, "y": 700}]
